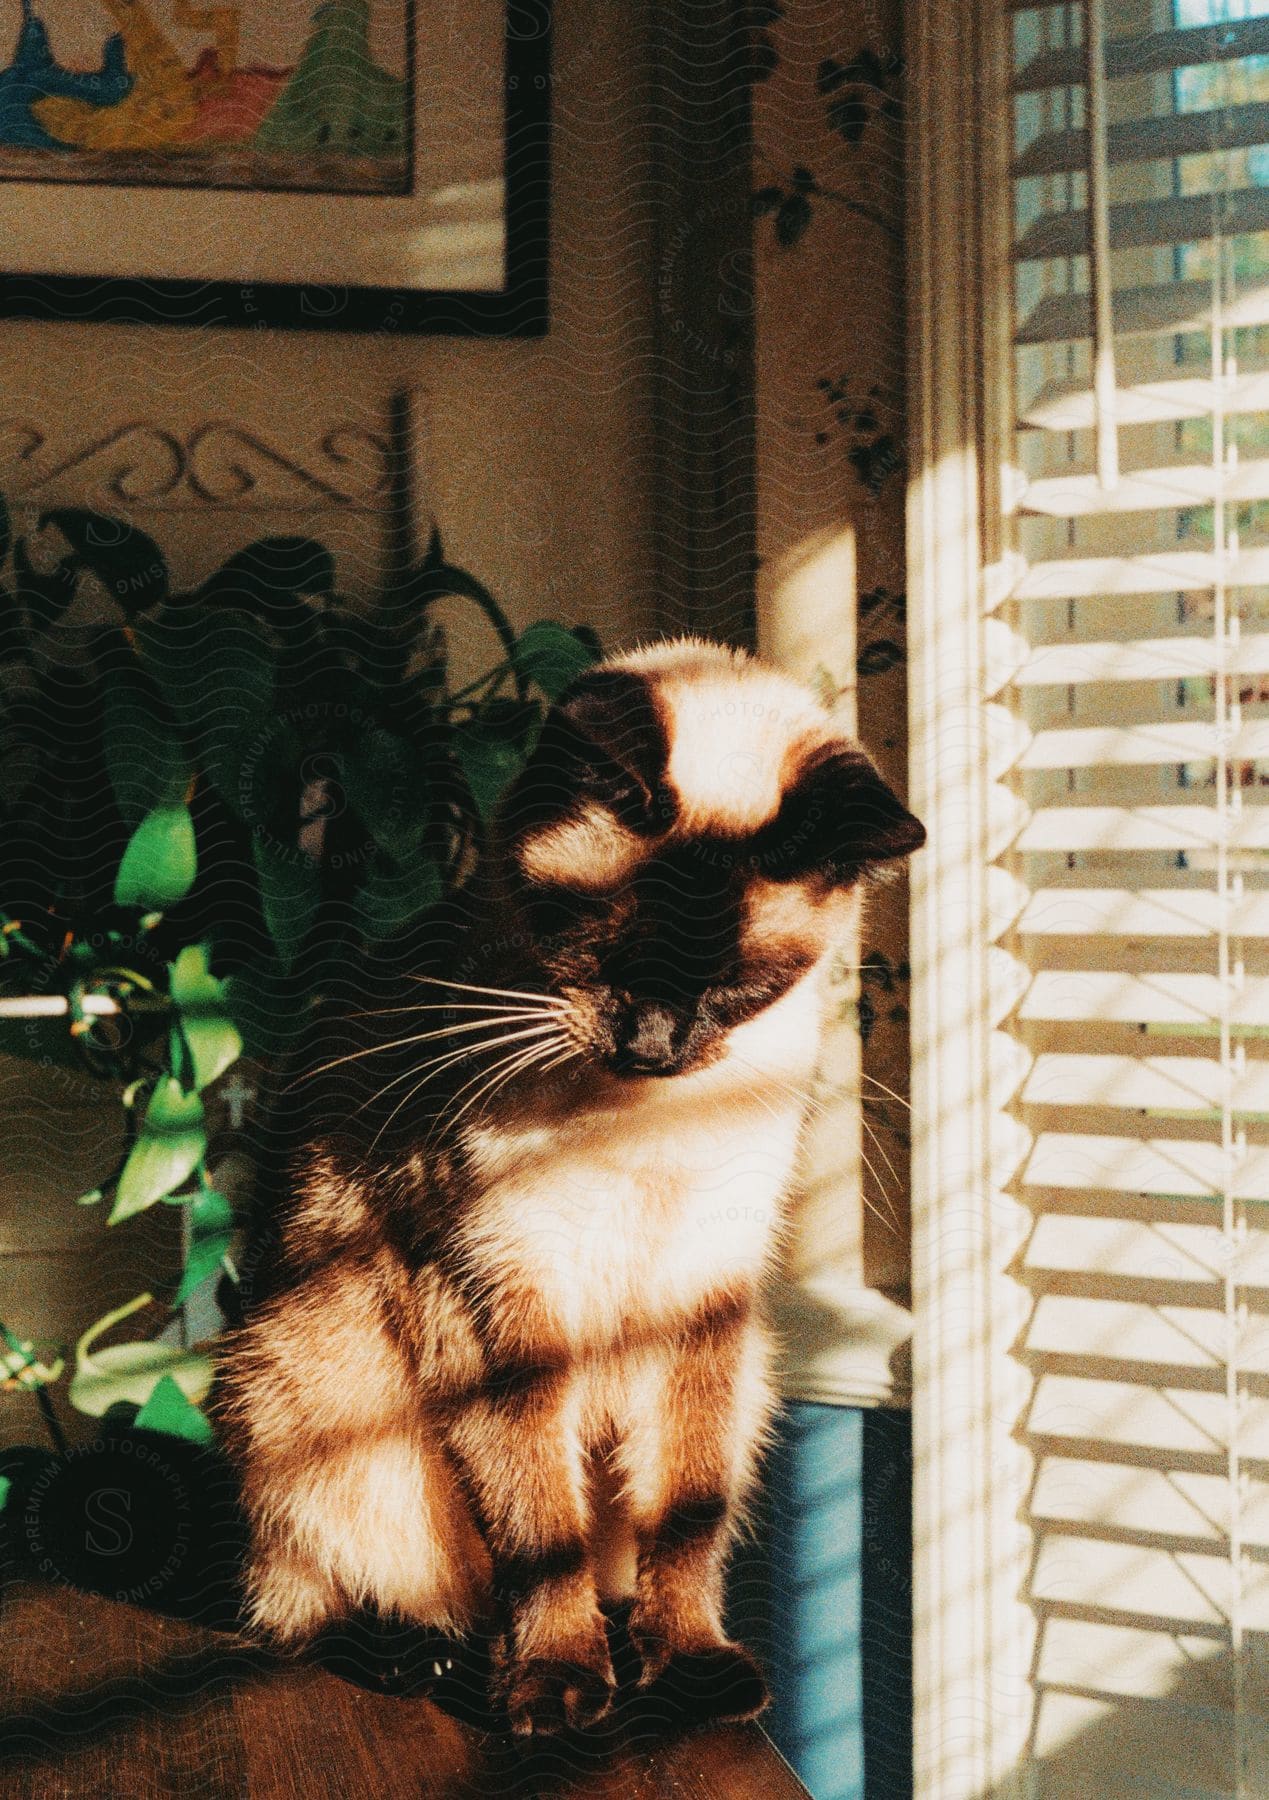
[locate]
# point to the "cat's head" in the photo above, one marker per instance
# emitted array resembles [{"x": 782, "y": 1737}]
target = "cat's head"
[{"x": 683, "y": 847}]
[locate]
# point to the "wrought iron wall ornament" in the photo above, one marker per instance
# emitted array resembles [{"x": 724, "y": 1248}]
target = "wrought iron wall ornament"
[{"x": 214, "y": 465}]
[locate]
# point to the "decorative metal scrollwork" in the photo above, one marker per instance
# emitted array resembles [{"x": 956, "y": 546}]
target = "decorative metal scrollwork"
[{"x": 216, "y": 465}]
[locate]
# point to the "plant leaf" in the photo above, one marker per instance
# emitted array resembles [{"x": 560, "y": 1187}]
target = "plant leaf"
[
  {"x": 266, "y": 1007},
  {"x": 126, "y": 560},
  {"x": 551, "y": 656},
  {"x": 146, "y": 761},
  {"x": 215, "y": 669},
  {"x": 270, "y": 574},
  {"x": 290, "y": 888},
  {"x": 6, "y": 530},
  {"x": 204, "y": 1260},
  {"x": 180, "y": 1058},
  {"x": 444, "y": 581},
  {"x": 491, "y": 750},
  {"x": 129, "y": 1373},
  {"x": 209, "y": 1213},
  {"x": 211, "y": 1237},
  {"x": 160, "y": 861},
  {"x": 170, "y": 1146},
  {"x": 393, "y": 894},
  {"x": 203, "y": 1005},
  {"x": 211, "y": 1234},
  {"x": 387, "y": 782},
  {"x": 169, "y": 1411}
]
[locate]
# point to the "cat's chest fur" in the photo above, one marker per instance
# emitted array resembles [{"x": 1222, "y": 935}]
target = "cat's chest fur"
[{"x": 636, "y": 1213}]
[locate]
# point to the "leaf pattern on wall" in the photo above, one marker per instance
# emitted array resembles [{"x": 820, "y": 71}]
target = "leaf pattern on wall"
[{"x": 828, "y": 209}]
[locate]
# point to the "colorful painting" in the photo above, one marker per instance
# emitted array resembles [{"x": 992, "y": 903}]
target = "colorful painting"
[
  {"x": 275, "y": 95},
  {"x": 352, "y": 165}
]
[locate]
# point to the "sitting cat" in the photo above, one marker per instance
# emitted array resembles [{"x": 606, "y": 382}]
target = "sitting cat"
[{"x": 508, "y": 1360}]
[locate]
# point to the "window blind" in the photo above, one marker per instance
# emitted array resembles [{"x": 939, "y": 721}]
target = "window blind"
[{"x": 1127, "y": 642}]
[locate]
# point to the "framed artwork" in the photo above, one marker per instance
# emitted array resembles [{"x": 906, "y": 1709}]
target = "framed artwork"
[{"x": 376, "y": 165}]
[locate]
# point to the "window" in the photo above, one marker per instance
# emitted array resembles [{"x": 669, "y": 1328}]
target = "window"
[{"x": 1090, "y": 549}]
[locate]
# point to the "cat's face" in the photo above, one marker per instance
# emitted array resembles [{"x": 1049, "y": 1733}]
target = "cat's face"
[{"x": 683, "y": 848}]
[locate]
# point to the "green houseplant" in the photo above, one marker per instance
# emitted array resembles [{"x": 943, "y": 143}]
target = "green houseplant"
[{"x": 206, "y": 797}]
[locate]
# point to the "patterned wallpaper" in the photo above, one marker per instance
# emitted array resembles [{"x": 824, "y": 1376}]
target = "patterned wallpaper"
[{"x": 831, "y": 348}]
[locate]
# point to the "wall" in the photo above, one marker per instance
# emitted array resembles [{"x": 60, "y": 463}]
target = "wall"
[
  {"x": 828, "y": 284},
  {"x": 829, "y": 1598},
  {"x": 535, "y": 458}
]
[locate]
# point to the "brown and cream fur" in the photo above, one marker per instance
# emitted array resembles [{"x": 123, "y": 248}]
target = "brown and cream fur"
[{"x": 506, "y": 1358}]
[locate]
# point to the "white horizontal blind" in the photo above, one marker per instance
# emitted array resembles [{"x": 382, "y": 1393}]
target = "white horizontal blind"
[{"x": 1128, "y": 636}]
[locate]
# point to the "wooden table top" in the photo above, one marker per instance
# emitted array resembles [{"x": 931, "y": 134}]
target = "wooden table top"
[{"x": 106, "y": 1701}]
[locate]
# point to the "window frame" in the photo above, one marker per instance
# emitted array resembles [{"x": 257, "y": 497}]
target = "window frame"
[{"x": 973, "y": 1630}]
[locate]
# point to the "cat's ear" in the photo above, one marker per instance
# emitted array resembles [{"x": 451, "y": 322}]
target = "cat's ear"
[
  {"x": 839, "y": 819},
  {"x": 603, "y": 742}
]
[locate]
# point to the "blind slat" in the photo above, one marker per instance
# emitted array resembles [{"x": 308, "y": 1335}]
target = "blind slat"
[
  {"x": 1161, "y": 742},
  {"x": 1148, "y": 55},
  {"x": 1087, "y": 828},
  {"x": 1154, "y": 310},
  {"x": 1128, "y": 1660},
  {"x": 1145, "y": 1416},
  {"x": 1152, "y": 572},
  {"x": 1185, "y": 1587},
  {"x": 1079, "y": 911},
  {"x": 1078, "y": 496},
  {"x": 1182, "y": 1505},
  {"x": 1178, "y": 134},
  {"x": 1068, "y": 405},
  {"x": 1163, "y": 1167},
  {"x": 1136, "y": 223},
  {"x": 1159, "y": 997},
  {"x": 1142, "y": 1332},
  {"x": 1160, "y": 1250},
  {"x": 1173, "y": 1084},
  {"x": 1136, "y": 659}
]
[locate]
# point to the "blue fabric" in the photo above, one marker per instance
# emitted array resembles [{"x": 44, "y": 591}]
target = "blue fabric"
[
  {"x": 34, "y": 75},
  {"x": 824, "y": 1595}
]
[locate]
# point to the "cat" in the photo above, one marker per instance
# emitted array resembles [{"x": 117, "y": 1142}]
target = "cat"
[{"x": 507, "y": 1362}]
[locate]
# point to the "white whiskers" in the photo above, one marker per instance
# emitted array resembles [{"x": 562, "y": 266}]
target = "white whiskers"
[
  {"x": 528, "y": 1045},
  {"x": 524, "y": 1028},
  {"x": 482, "y": 1008},
  {"x": 538, "y": 1055},
  {"x": 886, "y": 1090},
  {"x": 467, "y": 987},
  {"x": 810, "y": 1102},
  {"x": 421, "y": 1037},
  {"x": 429, "y": 1070}
]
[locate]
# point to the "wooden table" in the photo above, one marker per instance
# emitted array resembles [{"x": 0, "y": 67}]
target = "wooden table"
[{"x": 104, "y": 1701}]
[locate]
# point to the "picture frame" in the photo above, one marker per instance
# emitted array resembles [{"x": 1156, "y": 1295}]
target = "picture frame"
[{"x": 440, "y": 227}]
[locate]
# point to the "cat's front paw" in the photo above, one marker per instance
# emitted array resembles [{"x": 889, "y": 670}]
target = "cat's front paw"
[
  {"x": 550, "y": 1694},
  {"x": 719, "y": 1682}
]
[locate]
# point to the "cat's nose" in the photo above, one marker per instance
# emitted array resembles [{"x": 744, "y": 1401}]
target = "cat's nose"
[{"x": 650, "y": 1039}]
